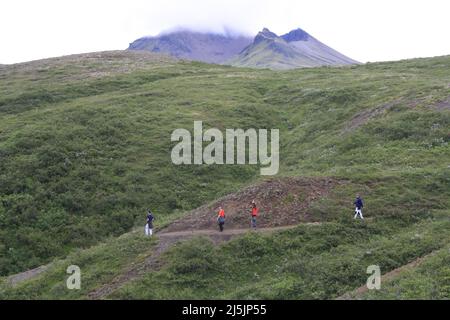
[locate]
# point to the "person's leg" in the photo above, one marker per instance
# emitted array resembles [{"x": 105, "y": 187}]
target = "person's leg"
[
  {"x": 146, "y": 229},
  {"x": 150, "y": 231},
  {"x": 356, "y": 213},
  {"x": 360, "y": 214}
]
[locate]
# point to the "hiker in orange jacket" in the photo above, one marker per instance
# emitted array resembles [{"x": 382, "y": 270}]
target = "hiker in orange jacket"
[
  {"x": 254, "y": 214},
  {"x": 221, "y": 218}
]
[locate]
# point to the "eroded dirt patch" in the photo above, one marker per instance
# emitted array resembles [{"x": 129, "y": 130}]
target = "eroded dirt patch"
[
  {"x": 281, "y": 202},
  {"x": 443, "y": 105},
  {"x": 363, "y": 117},
  {"x": 26, "y": 275}
]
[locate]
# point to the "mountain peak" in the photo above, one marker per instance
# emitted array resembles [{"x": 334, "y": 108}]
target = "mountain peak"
[
  {"x": 296, "y": 35},
  {"x": 193, "y": 45},
  {"x": 265, "y": 34},
  {"x": 294, "y": 49}
]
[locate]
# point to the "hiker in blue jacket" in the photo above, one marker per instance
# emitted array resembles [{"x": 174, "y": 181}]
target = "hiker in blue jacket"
[
  {"x": 358, "y": 207},
  {"x": 149, "y": 224}
]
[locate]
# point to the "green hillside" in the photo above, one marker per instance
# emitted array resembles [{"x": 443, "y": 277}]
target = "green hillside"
[{"x": 85, "y": 148}]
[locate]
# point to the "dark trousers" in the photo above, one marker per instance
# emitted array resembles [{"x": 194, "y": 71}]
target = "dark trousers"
[{"x": 221, "y": 222}]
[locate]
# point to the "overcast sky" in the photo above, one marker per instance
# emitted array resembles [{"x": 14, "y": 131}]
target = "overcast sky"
[{"x": 365, "y": 30}]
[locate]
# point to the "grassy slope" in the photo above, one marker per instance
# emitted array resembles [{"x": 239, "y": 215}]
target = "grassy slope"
[
  {"x": 304, "y": 263},
  {"x": 308, "y": 262},
  {"x": 80, "y": 147},
  {"x": 430, "y": 280}
]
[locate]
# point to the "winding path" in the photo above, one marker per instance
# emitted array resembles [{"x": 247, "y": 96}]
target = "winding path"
[{"x": 165, "y": 241}]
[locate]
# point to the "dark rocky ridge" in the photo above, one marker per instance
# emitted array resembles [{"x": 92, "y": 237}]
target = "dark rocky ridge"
[{"x": 206, "y": 47}]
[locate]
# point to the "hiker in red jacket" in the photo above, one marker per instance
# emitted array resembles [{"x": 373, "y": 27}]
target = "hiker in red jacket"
[
  {"x": 221, "y": 218},
  {"x": 254, "y": 214}
]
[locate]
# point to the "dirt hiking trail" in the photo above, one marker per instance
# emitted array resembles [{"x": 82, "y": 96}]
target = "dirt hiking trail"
[
  {"x": 167, "y": 240},
  {"x": 283, "y": 202},
  {"x": 26, "y": 275}
]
